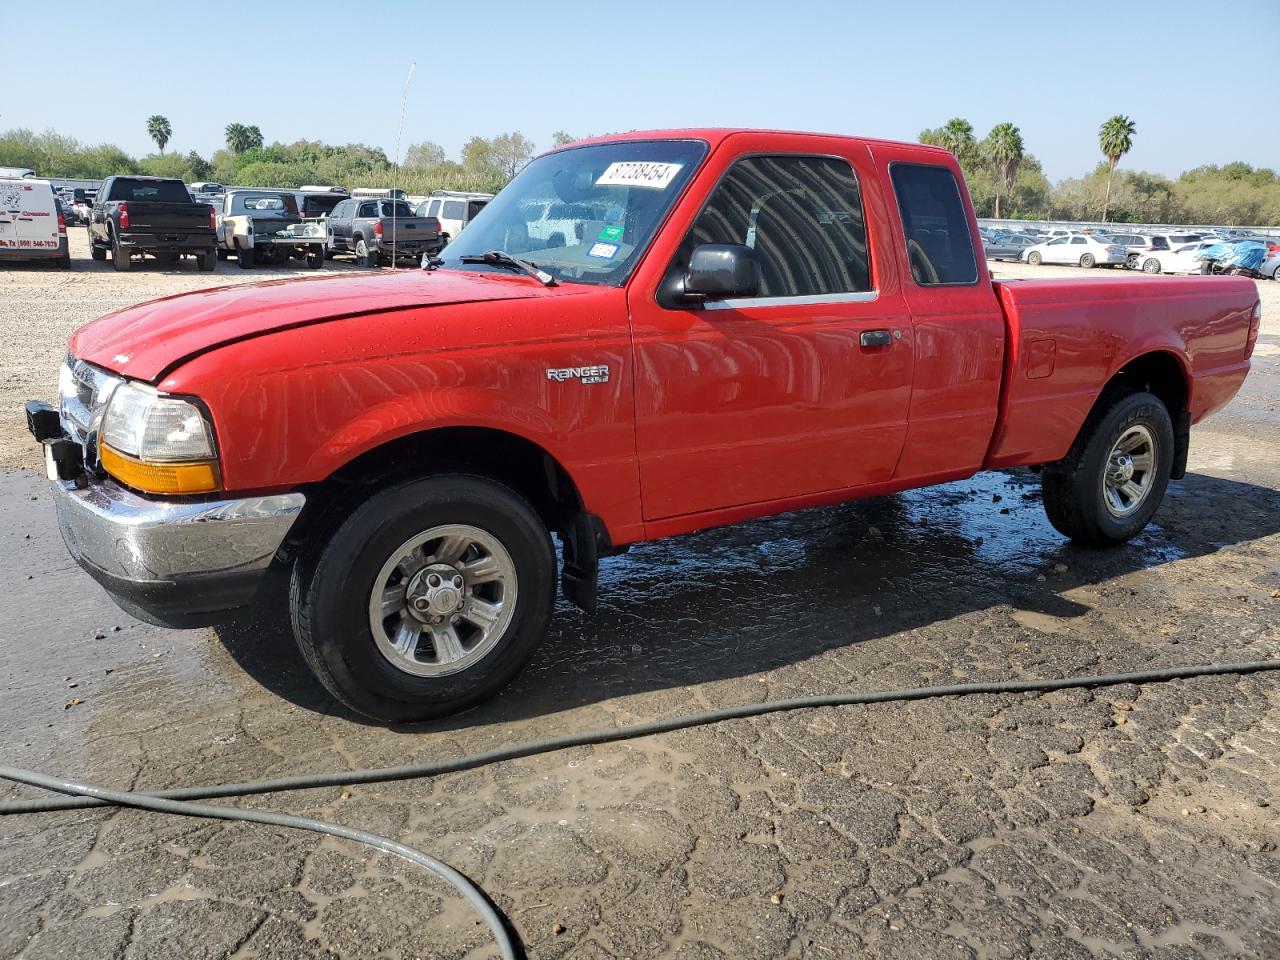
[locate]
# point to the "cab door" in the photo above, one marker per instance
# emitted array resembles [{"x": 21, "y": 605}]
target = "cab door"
[{"x": 799, "y": 390}]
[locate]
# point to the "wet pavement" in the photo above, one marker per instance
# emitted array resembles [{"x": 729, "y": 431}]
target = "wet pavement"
[{"x": 1128, "y": 822}]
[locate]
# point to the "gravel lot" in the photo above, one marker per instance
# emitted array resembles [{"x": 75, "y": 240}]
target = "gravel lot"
[{"x": 1127, "y": 822}]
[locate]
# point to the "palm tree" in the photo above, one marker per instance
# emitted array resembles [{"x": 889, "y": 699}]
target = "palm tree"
[
  {"x": 1115, "y": 137},
  {"x": 957, "y": 136},
  {"x": 1003, "y": 150},
  {"x": 159, "y": 130},
  {"x": 241, "y": 138}
]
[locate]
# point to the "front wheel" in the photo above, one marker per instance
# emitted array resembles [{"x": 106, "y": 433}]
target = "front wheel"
[
  {"x": 1112, "y": 481},
  {"x": 429, "y": 598},
  {"x": 1034, "y": 258},
  {"x": 1087, "y": 261},
  {"x": 95, "y": 251},
  {"x": 1151, "y": 265}
]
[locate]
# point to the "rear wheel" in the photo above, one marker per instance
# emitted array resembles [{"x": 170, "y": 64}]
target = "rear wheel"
[
  {"x": 364, "y": 255},
  {"x": 1131, "y": 261},
  {"x": 1034, "y": 258},
  {"x": 1107, "y": 488},
  {"x": 1151, "y": 265},
  {"x": 315, "y": 256},
  {"x": 1087, "y": 261},
  {"x": 120, "y": 258},
  {"x": 244, "y": 255},
  {"x": 429, "y": 598}
]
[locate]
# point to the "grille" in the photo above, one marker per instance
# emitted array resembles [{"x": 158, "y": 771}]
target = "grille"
[{"x": 83, "y": 391}]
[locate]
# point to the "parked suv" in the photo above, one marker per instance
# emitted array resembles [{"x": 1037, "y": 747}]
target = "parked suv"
[
  {"x": 32, "y": 224},
  {"x": 373, "y": 229},
  {"x": 454, "y": 210}
]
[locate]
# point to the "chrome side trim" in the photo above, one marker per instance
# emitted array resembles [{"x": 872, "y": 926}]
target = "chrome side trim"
[
  {"x": 133, "y": 538},
  {"x": 741, "y": 303}
]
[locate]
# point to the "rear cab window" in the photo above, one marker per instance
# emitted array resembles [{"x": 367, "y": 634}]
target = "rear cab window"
[
  {"x": 158, "y": 191},
  {"x": 940, "y": 248}
]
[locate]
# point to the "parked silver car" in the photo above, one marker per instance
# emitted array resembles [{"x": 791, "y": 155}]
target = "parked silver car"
[{"x": 1007, "y": 246}]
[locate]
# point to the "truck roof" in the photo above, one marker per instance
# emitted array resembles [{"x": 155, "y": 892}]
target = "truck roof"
[{"x": 717, "y": 135}]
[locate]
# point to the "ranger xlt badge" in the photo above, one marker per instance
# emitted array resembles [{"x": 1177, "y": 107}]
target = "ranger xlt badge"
[{"x": 596, "y": 374}]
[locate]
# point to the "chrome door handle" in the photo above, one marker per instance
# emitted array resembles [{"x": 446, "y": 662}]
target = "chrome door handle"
[{"x": 875, "y": 338}]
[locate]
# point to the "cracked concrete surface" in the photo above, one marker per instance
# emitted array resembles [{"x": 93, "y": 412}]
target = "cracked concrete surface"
[{"x": 1127, "y": 822}]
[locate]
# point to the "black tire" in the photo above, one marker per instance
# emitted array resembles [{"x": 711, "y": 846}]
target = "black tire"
[
  {"x": 95, "y": 251},
  {"x": 1074, "y": 497},
  {"x": 244, "y": 256},
  {"x": 366, "y": 256},
  {"x": 315, "y": 257},
  {"x": 120, "y": 258},
  {"x": 1088, "y": 260},
  {"x": 1151, "y": 265},
  {"x": 223, "y": 253},
  {"x": 331, "y": 587},
  {"x": 207, "y": 261},
  {"x": 1034, "y": 258}
]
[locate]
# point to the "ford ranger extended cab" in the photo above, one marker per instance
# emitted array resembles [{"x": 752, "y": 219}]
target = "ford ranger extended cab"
[{"x": 724, "y": 324}]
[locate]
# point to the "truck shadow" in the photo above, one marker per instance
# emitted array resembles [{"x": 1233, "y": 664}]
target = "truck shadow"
[{"x": 738, "y": 601}]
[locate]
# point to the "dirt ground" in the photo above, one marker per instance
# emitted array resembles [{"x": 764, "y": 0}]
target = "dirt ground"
[{"x": 1129, "y": 822}]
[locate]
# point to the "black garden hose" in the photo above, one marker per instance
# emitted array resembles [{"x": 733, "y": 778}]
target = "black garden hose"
[{"x": 174, "y": 801}]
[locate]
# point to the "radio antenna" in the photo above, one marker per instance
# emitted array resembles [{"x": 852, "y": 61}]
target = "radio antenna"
[{"x": 395, "y": 184}]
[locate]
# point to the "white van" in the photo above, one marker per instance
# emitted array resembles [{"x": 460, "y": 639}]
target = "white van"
[
  {"x": 453, "y": 208},
  {"x": 32, "y": 225}
]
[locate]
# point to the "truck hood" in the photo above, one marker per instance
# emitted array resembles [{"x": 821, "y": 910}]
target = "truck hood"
[{"x": 148, "y": 340}]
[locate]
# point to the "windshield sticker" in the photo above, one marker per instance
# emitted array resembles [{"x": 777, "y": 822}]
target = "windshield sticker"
[
  {"x": 611, "y": 233},
  {"x": 634, "y": 173},
  {"x": 605, "y": 251}
]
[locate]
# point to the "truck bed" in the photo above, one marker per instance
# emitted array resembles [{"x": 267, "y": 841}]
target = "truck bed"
[{"x": 1067, "y": 338}]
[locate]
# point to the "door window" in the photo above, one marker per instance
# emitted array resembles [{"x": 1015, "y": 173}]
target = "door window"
[
  {"x": 1078, "y": 240},
  {"x": 434, "y": 209},
  {"x": 801, "y": 215},
  {"x": 369, "y": 209},
  {"x": 453, "y": 210},
  {"x": 939, "y": 246}
]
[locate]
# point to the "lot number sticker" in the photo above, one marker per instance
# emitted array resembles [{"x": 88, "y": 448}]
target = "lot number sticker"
[
  {"x": 636, "y": 173},
  {"x": 606, "y": 251}
]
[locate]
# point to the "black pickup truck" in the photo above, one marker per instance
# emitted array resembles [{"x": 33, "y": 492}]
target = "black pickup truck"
[{"x": 137, "y": 215}]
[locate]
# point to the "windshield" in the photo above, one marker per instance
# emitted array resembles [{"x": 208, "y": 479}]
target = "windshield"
[{"x": 584, "y": 214}]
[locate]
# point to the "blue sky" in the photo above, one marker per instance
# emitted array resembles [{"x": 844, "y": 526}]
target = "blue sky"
[{"x": 1056, "y": 69}]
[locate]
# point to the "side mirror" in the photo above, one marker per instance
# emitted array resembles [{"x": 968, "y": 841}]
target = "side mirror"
[{"x": 718, "y": 271}]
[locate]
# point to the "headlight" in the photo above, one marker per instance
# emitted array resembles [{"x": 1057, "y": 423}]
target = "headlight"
[{"x": 157, "y": 443}]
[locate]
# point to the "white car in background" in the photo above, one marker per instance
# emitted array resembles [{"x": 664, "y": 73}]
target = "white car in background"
[
  {"x": 1180, "y": 259},
  {"x": 1078, "y": 248}
]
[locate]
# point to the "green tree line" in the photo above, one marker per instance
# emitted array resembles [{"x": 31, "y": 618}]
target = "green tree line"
[
  {"x": 484, "y": 165},
  {"x": 1007, "y": 181},
  {"x": 1003, "y": 177}
]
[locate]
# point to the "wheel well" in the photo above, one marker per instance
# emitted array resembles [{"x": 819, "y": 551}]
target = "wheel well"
[
  {"x": 1159, "y": 374},
  {"x": 519, "y": 463}
]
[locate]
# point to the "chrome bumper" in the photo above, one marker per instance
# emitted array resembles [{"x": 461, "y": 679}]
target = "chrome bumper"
[{"x": 171, "y": 561}]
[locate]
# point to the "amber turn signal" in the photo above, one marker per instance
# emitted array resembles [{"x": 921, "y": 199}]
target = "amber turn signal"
[{"x": 200, "y": 476}]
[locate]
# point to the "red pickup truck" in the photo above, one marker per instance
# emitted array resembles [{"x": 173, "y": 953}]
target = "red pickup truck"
[{"x": 641, "y": 336}]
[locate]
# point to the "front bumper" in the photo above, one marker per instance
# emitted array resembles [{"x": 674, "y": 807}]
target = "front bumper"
[{"x": 174, "y": 562}]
